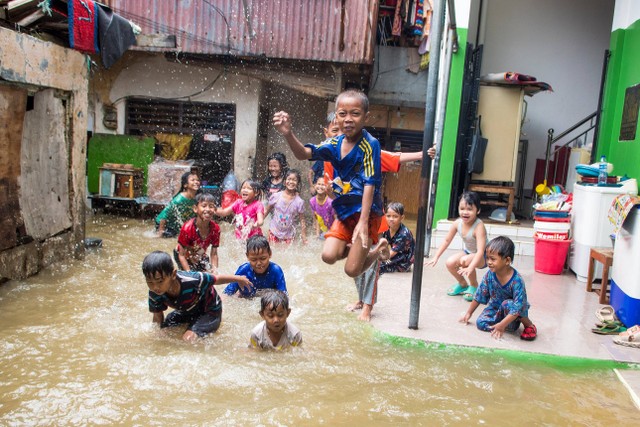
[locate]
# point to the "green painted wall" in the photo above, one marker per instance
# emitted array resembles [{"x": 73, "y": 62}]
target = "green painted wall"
[
  {"x": 125, "y": 149},
  {"x": 450, "y": 134},
  {"x": 623, "y": 72}
]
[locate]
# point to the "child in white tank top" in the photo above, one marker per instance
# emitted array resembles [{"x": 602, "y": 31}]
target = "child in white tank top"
[{"x": 462, "y": 265}]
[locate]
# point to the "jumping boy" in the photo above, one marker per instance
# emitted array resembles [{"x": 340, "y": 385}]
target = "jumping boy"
[
  {"x": 191, "y": 294},
  {"x": 502, "y": 290},
  {"x": 197, "y": 235},
  {"x": 261, "y": 272},
  {"x": 355, "y": 157},
  {"x": 274, "y": 332}
]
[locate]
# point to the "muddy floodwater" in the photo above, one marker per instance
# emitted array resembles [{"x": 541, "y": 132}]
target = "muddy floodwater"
[{"x": 78, "y": 348}]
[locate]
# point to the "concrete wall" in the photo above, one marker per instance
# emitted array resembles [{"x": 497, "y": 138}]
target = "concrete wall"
[
  {"x": 559, "y": 42},
  {"x": 42, "y": 172},
  {"x": 153, "y": 76}
]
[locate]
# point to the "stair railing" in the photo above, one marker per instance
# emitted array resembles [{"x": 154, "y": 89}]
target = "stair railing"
[{"x": 552, "y": 142}]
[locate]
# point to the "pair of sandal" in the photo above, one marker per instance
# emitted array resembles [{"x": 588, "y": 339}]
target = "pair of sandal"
[
  {"x": 608, "y": 322},
  {"x": 467, "y": 292},
  {"x": 530, "y": 333},
  {"x": 629, "y": 338}
]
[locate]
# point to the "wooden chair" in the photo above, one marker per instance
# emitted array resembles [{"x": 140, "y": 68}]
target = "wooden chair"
[{"x": 605, "y": 257}]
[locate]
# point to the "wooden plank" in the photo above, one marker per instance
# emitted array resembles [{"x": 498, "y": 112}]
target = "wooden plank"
[
  {"x": 31, "y": 18},
  {"x": 156, "y": 40}
]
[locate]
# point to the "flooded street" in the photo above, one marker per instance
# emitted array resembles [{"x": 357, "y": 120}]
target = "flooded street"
[{"x": 78, "y": 348}]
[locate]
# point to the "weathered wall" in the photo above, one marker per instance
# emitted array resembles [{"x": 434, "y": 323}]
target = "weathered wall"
[
  {"x": 55, "y": 158},
  {"x": 153, "y": 76}
]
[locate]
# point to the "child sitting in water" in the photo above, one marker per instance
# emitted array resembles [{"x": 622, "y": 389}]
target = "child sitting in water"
[
  {"x": 197, "y": 235},
  {"x": 321, "y": 205},
  {"x": 274, "y": 182},
  {"x": 180, "y": 208},
  {"x": 248, "y": 210},
  {"x": 191, "y": 294},
  {"x": 400, "y": 241},
  {"x": 287, "y": 208},
  {"x": 274, "y": 332},
  {"x": 474, "y": 236},
  {"x": 261, "y": 272},
  {"x": 502, "y": 290}
]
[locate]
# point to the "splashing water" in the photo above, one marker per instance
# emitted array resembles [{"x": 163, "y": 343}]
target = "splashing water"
[{"x": 78, "y": 347}]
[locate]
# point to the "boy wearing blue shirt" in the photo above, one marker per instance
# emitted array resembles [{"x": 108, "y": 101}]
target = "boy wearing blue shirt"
[
  {"x": 261, "y": 272},
  {"x": 355, "y": 157}
]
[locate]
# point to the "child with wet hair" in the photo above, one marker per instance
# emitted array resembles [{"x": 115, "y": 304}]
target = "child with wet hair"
[
  {"x": 400, "y": 239},
  {"x": 262, "y": 273},
  {"x": 355, "y": 157},
  {"x": 274, "y": 182},
  {"x": 191, "y": 294},
  {"x": 275, "y": 332},
  {"x": 198, "y": 237},
  {"x": 287, "y": 209},
  {"x": 180, "y": 208},
  {"x": 503, "y": 291},
  {"x": 248, "y": 210}
]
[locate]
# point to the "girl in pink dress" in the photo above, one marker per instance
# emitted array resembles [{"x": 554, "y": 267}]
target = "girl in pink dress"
[
  {"x": 288, "y": 209},
  {"x": 248, "y": 210}
]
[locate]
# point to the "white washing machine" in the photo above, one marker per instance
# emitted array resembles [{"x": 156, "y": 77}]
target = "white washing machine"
[{"x": 590, "y": 226}]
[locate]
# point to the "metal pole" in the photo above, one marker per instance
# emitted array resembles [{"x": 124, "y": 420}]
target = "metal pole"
[
  {"x": 439, "y": 136},
  {"x": 437, "y": 24}
]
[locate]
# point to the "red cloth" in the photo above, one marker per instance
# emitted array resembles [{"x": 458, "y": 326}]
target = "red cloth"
[
  {"x": 83, "y": 26},
  {"x": 228, "y": 197}
]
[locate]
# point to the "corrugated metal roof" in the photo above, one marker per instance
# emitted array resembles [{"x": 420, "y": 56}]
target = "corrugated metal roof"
[{"x": 291, "y": 29}]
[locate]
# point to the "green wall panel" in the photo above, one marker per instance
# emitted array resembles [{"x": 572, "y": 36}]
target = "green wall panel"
[
  {"x": 126, "y": 149},
  {"x": 450, "y": 134},
  {"x": 623, "y": 72}
]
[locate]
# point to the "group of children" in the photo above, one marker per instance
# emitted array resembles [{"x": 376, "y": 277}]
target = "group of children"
[{"x": 350, "y": 185}]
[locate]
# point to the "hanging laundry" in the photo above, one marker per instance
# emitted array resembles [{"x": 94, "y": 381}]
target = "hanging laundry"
[
  {"x": 83, "y": 26},
  {"x": 116, "y": 35}
]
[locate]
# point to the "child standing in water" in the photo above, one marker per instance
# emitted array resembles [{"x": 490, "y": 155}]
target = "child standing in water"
[
  {"x": 274, "y": 182},
  {"x": 321, "y": 205},
  {"x": 503, "y": 291},
  {"x": 463, "y": 264},
  {"x": 287, "y": 207},
  {"x": 180, "y": 208},
  {"x": 197, "y": 235},
  {"x": 355, "y": 156},
  {"x": 275, "y": 332},
  {"x": 400, "y": 240},
  {"x": 248, "y": 210},
  {"x": 191, "y": 294}
]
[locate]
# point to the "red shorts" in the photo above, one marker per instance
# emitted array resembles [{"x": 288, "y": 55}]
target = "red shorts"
[
  {"x": 274, "y": 239},
  {"x": 343, "y": 230}
]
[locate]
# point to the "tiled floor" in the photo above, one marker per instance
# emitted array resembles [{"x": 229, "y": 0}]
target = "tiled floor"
[{"x": 562, "y": 310}]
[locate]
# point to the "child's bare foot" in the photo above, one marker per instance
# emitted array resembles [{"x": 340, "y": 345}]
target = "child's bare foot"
[
  {"x": 355, "y": 306},
  {"x": 365, "y": 316},
  {"x": 383, "y": 249}
]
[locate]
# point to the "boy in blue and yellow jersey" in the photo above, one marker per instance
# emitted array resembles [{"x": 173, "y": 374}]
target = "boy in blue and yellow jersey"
[{"x": 355, "y": 157}]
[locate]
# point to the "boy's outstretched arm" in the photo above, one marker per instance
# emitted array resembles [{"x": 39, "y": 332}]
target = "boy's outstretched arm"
[
  {"x": 244, "y": 283},
  {"x": 282, "y": 123}
]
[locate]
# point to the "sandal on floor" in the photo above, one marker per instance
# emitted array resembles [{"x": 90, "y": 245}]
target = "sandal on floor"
[
  {"x": 632, "y": 331},
  {"x": 609, "y": 323},
  {"x": 470, "y": 291},
  {"x": 609, "y": 329},
  {"x": 530, "y": 333},
  {"x": 606, "y": 314},
  {"x": 457, "y": 289},
  {"x": 623, "y": 341}
]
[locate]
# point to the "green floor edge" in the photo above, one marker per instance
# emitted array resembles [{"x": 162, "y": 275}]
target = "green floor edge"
[{"x": 564, "y": 362}]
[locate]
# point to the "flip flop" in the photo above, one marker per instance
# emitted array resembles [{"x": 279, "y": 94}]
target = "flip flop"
[
  {"x": 631, "y": 334},
  {"x": 456, "y": 289},
  {"x": 609, "y": 329},
  {"x": 622, "y": 341},
  {"x": 529, "y": 333},
  {"x": 470, "y": 291},
  {"x": 606, "y": 314}
]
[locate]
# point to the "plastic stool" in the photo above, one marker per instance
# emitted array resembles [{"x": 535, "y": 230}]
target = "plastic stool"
[{"x": 604, "y": 256}]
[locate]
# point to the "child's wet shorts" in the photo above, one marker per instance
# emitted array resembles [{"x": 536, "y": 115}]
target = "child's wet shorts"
[
  {"x": 343, "y": 229},
  {"x": 484, "y": 257},
  {"x": 275, "y": 239}
]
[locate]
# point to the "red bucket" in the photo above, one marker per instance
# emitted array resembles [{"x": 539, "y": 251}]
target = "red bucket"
[{"x": 550, "y": 255}]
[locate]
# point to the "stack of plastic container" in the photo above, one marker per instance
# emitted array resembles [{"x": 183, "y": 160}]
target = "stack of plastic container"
[{"x": 551, "y": 233}]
